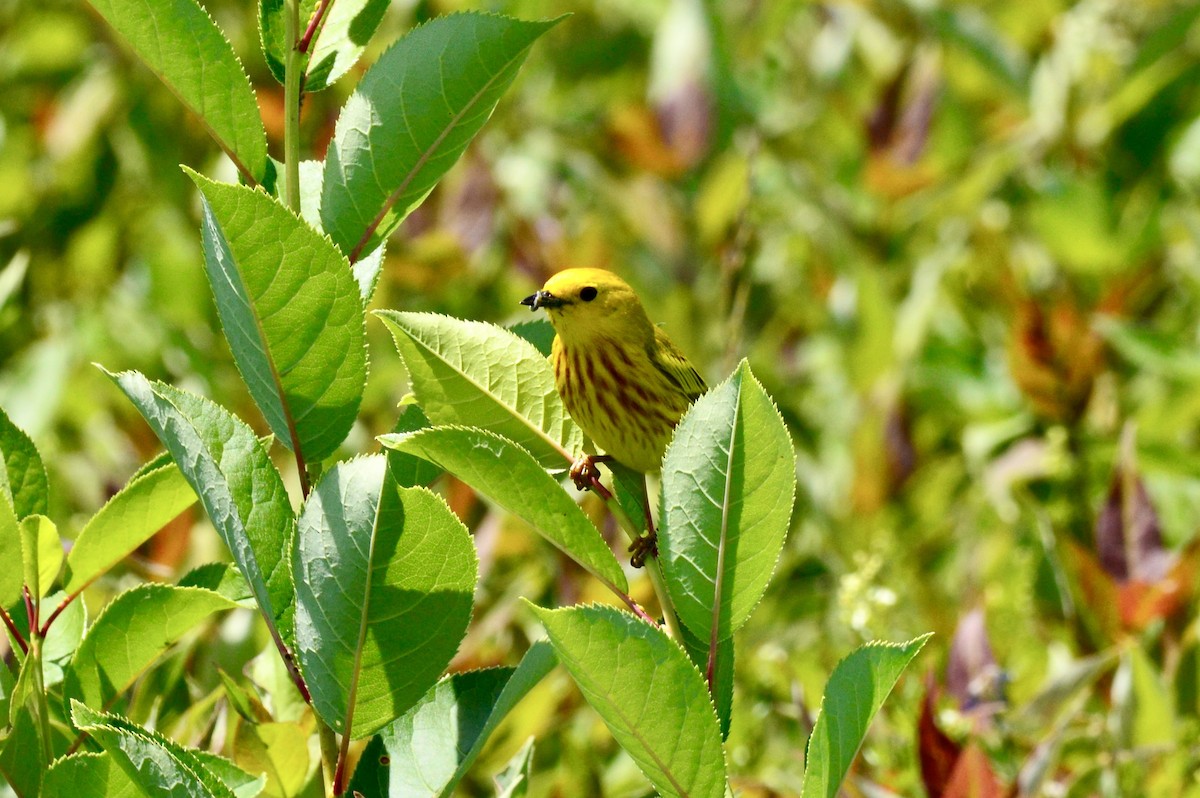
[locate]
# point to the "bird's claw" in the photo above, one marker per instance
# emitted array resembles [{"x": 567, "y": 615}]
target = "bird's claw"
[
  {"x": 584, "y": 471},
  {"x": 643, "y": 547}
]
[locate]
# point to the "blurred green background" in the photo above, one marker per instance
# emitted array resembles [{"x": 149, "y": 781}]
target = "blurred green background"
[{"x": 958, "y": 241}]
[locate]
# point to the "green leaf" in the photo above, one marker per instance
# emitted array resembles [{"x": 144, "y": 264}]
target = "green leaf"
[
  {"x": 855, "y": 691},
  {"x": 539, "y": 332},
  {"x": 292, "y": 312},
  {"x": 181, "y": 44},
  {"x": 347, "y": 28},
  {"x": 238, "y": 485},
  {"x": 629, "y": 489},
  {"x": 21, "y": 759},
  {"x": 385, "y": 580},
  {"x": 509, "y": 476},
  {"x": 697, "y": 651},
  {"x": 133, "y": 631},
  {"x": 728, "y": 481},
  {"x": 43, "y": 553},
  {"x": 367, "y": 269},
  {"x": 432, "y": 747},
  {"x": 22, "y": 475},
  {"x": 408, "y": 470},
  {"x": 479, "y": 375},
  {"x": 62, "y": 638},
  {"x": 158, "y": 765},
  {"x": 11, "y": 577},
  {"x": 278, "y": 750},
  {"x": 411, "y": 117},
  {"x": 126, "y": 521},
  {"x": 88, "y": 775},
  {"x": 648, "y": 692},
  {"x": 221, "y": 577}
]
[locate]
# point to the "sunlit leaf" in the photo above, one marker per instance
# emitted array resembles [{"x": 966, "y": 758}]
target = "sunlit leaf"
[
  {"x": 180, "y": 43},
  {"x": 648, "y": 692},
  {"x": 158, "y": 765},
  {"x": 89, "y": 775},
  {"x": 412, "y": 116},
  {"x": 241, "y": 490},
  {"x": 478, "y": 375},
  {"x": 509, "y": 476},
  {"x": 126, "y": 521},
  {"x": 385, "y": 580},
  {"x": 292, "y": 312},
  {"x": 133, "y": 631},
  {"x": 728, "y": 480},
  {"x": 855, "y": 692},
  {"x": 22, "y": 475}
]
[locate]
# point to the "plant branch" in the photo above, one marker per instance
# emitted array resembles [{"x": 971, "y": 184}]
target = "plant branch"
[
  {"x": 31, "y": 612},
  {"x": 318, "y": 19},
  {"x": 329, "y": 753},
  {"x": 12, "y": 629},
  {"x": 291, "y": 110}
]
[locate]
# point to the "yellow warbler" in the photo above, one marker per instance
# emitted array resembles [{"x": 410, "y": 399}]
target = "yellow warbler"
[{"x": 620, "y": 377}]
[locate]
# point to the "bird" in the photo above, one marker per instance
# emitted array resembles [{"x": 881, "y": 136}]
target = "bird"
[{"x": 619, "y": 375}]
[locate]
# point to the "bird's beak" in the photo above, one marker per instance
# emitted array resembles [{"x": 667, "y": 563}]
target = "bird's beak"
[{"x": 542, "y": 299}]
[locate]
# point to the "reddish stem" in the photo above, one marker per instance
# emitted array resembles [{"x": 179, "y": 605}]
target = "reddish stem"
[
  {"x": 12, "y": 628},
  {"x": 317, "y": 18}
]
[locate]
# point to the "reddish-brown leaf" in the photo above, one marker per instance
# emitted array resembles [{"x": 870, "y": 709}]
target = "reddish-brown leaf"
[
  {"x": 937, "y": 752},
  {"x": 973, "y": 777}
]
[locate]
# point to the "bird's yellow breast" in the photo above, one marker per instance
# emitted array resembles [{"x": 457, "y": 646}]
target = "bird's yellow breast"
[{"x": 623, "y": 402}]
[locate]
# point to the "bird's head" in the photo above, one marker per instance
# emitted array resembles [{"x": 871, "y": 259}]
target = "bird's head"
[{"x": 586, "y": 303}]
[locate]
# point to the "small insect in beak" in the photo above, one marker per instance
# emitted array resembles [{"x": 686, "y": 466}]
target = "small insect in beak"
[{"x": 542, "y": 299}]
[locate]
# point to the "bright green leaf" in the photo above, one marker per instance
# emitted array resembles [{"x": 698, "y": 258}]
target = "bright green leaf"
[
  {"x": 11, "y": 577},
  {"x": 853, "y": 695},
  {"x": 411, "y": 117},
  {"x": 278, "y": 750},
  {"x": 292, "y": 312},
  {"x": 479, "y": 375},
  {"x": 22, "y": 475},
  {"x": 88, "y": 775},
  {"x": 46, "y": 555},
  {"x": 133, "y": 631},
  {"x": 238, "y": 485},
  {"x": 181, "y": 44},
  {"x": 728, "y": 480},
  {"x": 648, "y": 692},
  {"x": 509, "y": 476},
  {"x": 385, "y": 581},
  {"x": 62, "y": 638},
  {"x": 432, "y": 747},
  {"x": 125, "y": 522}
]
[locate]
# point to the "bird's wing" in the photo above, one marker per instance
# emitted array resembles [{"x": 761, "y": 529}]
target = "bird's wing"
[{"x": 675, "y": 366}]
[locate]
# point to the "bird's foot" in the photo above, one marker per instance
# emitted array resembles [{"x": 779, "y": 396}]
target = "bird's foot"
[
  {"x": 584, "y": 471},
  {"x": 643, "y": 547}
]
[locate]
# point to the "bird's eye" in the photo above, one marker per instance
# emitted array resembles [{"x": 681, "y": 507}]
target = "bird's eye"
[{"x": 588, "y": 293}]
